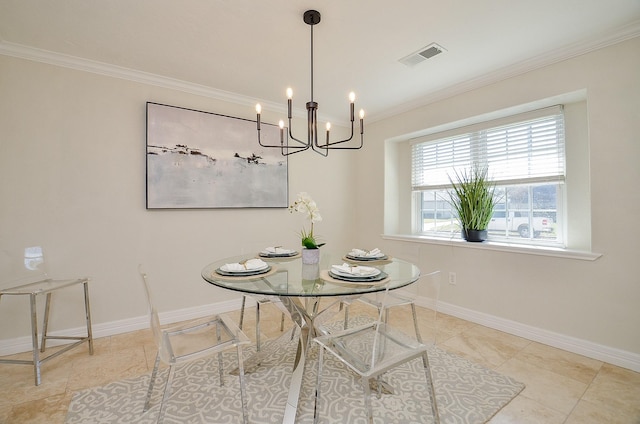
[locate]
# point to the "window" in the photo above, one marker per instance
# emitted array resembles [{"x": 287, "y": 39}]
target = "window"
[{"x": 525, "y": 158}]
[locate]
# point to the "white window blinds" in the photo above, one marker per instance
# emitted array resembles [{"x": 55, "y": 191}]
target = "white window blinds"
[{"x": 520, "y": 152}]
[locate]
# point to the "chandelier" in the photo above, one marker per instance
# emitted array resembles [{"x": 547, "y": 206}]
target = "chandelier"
[{"x": 311, "y": 17}]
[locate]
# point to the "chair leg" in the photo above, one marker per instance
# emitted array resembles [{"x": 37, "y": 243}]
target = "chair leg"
[
  {"x": 258, "y": 326},
  {"x": 244, "y": 300},
  {"x": 220, "y": 366},
  {"x": 316, "y": 411},
  {"x": 346, "y": 316},
  {"x": 282, "y": 322},
  {"x": 87, "y": 312},
  {"x": 167, "y": 394},
  {"x": 243, "y": 391},
  {"x": 366, "y": 386},
  {"x": 154, "y": 373},
  {"x": 45, "y": 323},
  {"x": 34, "y": 338},
  {"x": 415, "y": 322},
  {"x": 432, "y": 392}
]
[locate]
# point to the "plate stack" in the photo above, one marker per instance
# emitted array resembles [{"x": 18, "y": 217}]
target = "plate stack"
[{"x": 356, "y": 274}]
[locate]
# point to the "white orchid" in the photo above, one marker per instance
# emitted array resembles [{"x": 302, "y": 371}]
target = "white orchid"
[{"x": 306, "y": 205}]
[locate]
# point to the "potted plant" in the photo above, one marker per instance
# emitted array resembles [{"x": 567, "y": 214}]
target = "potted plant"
[
  {"x": 473, "y": 200},
  {"x": 306, "y": 205}
]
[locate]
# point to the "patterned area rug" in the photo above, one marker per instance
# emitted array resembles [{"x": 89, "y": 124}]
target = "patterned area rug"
[{"x": 466, "y": 393}]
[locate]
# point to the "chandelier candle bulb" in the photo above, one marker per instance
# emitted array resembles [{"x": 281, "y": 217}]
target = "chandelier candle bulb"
[
  {"x": 289, "y": 97},
  {"x": 328, "y": 129},
  {"x": 258, "y": 110},
  {"x": 361, "y": 121},
  {"x": 281, "y": 125},
  {"x": 352, "y": 99}
]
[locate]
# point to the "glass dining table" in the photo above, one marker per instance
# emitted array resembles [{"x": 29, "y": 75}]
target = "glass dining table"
[{"x": 308, "y": 293}]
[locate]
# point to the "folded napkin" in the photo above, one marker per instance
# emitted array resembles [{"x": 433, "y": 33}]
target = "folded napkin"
[
  {"x": 277, "y": 250},
  {"x": 354, "y": 270},
  {"x": 246, "y": 266},
  {"x": 366, "y": 254}
]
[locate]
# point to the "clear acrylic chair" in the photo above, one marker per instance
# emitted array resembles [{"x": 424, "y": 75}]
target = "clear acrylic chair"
[
  {"x": 260, "y": 300},
  {"x": 26, "y": 274},
  {"x": 192, "y": 341},
  {"x": 373, "y": 349},
  {"x": 392, "y": 300}
]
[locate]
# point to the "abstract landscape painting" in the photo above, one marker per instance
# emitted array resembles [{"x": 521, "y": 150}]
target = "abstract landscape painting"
[{"x": 204, "y": 160}]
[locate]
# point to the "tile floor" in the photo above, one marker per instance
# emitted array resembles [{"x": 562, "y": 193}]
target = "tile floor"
[{"x": 561, "y": 387}]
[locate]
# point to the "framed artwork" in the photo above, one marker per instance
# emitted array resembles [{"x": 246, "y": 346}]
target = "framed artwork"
[{"x": 205, "y": 160}]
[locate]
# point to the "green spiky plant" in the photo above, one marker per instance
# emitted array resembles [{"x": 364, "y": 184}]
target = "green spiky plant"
[{"x": 473, "y": 198}]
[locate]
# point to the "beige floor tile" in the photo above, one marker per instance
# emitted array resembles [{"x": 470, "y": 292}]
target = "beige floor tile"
[
  {"x": 102, "y": 368},
  {"x": 588, "y": 413},
  {"x": 134, "y": 338},
  {"x": 5, "y": 411},
  {"x": 561, "y": 362},
  {"x": 523, "y": 410},
  {"x": 17, "y": 382},
  {"x": 451, "y": 325},
  {"x": 485, "y": 346},
  {"x": 50, "y": 410},
  {"x": 616, "y": 389},
  {"x": 551, "y": 390}
]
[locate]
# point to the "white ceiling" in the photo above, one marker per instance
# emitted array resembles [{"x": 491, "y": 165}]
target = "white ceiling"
[{"x": 251, "y": 50}]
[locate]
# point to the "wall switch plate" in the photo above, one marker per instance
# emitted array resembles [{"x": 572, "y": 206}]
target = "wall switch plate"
[{"x": 452, "y": 278}]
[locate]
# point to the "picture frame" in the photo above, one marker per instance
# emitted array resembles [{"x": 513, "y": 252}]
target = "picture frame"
[{"x": 197, "y": 159}]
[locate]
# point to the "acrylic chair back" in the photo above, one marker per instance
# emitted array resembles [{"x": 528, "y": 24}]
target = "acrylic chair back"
[
  {"x": 154, "y": 319},
  {"x": 373, "y": 349}
]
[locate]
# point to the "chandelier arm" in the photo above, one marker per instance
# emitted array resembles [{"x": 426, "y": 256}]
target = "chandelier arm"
[
  {"x": 283, "y": 146},
  {"x": 288, "y": 153},
  {"x": 328, "y": 145},
  {"x": 347, "y": 148},
  {"x": 306, "y": 144},
  {"x": 320, "y": 151}
]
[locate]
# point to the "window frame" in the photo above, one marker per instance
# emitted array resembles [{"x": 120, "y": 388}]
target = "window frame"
[{"x": 476, "y": 144}]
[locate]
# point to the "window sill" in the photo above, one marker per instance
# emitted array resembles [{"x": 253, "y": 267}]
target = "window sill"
[{"x": 499, "y": 246}]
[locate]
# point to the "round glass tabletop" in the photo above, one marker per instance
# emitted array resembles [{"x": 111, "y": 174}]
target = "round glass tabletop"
[{"x": 288, "y": 276}]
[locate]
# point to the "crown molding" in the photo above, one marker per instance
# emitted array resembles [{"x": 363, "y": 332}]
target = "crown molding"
[
  {"x": 73, "y": 62},
  {"x": 624, "y": 33}
]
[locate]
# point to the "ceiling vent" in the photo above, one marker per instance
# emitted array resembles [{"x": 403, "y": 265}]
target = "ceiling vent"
[{"x": 421, "y": 55}]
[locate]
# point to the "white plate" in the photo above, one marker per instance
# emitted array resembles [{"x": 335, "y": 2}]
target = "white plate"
[
  {"x": 373, "y": 273},
  {"x": 243, "y": 271}
]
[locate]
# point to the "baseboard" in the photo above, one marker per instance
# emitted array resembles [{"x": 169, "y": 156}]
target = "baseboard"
[
  {"x": 23, "y": 344},
  {"x": 589, "y": 349},
  {"x": 586, "y": 348}
]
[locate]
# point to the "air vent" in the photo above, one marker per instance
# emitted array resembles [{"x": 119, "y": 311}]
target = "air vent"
[{"x": 421, "y": 55}]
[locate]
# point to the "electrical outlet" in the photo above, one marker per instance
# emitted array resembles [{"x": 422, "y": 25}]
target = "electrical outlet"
[{"x": 452, "y": 278}]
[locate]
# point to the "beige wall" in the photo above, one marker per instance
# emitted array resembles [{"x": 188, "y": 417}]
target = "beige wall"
[
  {"x": 72, "y": 179},
  {"x": 594, "y": 301}
]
